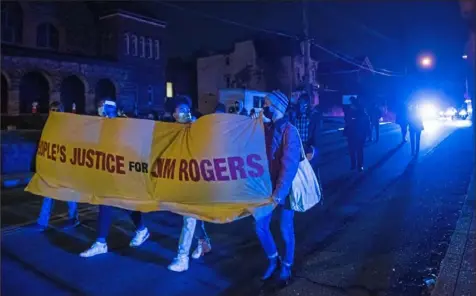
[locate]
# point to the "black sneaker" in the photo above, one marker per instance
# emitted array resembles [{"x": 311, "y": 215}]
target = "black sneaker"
[{"x": 71, "y": 223}]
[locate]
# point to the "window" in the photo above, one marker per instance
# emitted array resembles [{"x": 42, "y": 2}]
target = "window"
[
  {"x": 157, "y": 49},
  {"x": 169, "y": 90},
  {"x": 12, "y": 22},
  {"x": 150, "y": 48},
  {"x": 134, "y": 45},
  {"x": 150, "y": 94},
  {"x": 47, "y": 36},
  {"x": 142, "y": 46},
  {"x": 258, "y": 102},
  {"x": 127, "y": 41},
  {"x": 228, "y": 81}
]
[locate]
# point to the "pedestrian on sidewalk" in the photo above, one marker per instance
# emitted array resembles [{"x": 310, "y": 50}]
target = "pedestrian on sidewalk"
[
  {"x": 415, "y": 126},
  {"x": 180, "y": 263},
  {"x": 356, "y": 130},
  {"x": 107, "y": 108},
  {"x": 283, "y": 148},
  {"x": 47, "y": 205}
]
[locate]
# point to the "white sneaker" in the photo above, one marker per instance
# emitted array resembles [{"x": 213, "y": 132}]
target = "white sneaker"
[
  {"x": 179, "y": 264},
  {"x": 97, "y": 248},
  {"x": 140, "y": 237},
  {"x": 203, "y": 247}
]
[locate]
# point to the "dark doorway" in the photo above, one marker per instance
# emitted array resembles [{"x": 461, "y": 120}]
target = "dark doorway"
[
  {"x": 4, "y": 98},
  {"x": 34, "y": 87},
  {"x": 105, "y": 89},
  {"x": 72, "y": 91}
]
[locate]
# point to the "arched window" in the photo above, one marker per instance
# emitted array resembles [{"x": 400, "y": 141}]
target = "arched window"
[
  {"x": 47, "y": 36},
  {"x": 127, "y": 41},
  {"x": 142, "y": 46},
  {"x": 12, "y": 22},
  {"x": 134, "y": 45},
  {"x": 157, "y": 49},
  {"x": 150, "y": 48}
]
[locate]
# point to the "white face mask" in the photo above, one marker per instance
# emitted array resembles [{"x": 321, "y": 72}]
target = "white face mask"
[{"x": 101, "y": 111}]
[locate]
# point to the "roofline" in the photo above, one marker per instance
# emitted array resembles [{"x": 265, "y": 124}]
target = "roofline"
[{"x": 136, "y": 17}]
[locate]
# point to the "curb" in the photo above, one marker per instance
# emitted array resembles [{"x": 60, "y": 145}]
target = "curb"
[
  {"x": 451, "y": 265},
  {"x": 15, "y": 180}
]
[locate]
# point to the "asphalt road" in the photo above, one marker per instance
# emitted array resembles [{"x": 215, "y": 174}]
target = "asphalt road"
[{"x": 379, "y": 232}]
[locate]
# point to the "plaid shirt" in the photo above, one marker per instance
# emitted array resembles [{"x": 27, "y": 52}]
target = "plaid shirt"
[{"x": 302, "y": 125}]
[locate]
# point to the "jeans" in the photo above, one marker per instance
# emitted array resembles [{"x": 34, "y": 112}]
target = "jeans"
[
  {"x": 188, "y": 233},
  {"x": 287, "y": 231},
  {"x": 356, "y": 151},
  {"x": 46, "y": 207},
  {"x": 415, "y": 141},
  {"x": 105, "y": 221}
]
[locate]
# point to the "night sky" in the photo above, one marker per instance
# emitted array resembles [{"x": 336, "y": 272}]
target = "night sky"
[{"x": 389, "y": 32}]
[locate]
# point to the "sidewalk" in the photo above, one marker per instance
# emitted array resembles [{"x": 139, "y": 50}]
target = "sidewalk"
[{"x": 457, "y": 274}]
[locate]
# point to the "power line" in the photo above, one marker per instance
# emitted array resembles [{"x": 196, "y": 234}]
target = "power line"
[{"x": 278, "y": 33}]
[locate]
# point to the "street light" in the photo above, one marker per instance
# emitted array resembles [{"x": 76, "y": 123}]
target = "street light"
[
  {"x": 426, "y": 62},
  {"x": 465, "y": 57}
]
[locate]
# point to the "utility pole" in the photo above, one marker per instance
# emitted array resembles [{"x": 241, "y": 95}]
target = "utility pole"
[{"x": 307, "y": 53}]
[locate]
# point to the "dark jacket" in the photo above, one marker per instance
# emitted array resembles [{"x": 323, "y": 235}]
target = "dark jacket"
[
  {"x": 357, "y": 123},
  {"x": 283, "y": 148}
]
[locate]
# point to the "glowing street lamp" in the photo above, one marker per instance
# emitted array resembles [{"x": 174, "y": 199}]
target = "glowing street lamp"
[
  {"x": 465, "y": 57},
  {"x": 426, "y": 62}
]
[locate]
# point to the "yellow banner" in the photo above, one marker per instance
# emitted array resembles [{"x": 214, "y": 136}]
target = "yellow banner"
[{"x": 214, "y": 169}]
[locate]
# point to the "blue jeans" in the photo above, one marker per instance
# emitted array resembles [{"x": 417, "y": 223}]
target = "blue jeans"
[
  {"x": 46, "y": 207},
  {"x": 287, "y": 231},
  {"x": 105, "y": 221}
]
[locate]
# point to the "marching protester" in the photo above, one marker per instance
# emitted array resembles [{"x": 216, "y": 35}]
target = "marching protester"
[
  {"x": 375, "y": 114},
  {"x": 108, "y": 109},
  {"x": 308, "y": 123},
  {"x": 415, "y": 127},
  {"x": 356, "y": 130},
  {"x": 402, "y": 121},
  {"x": 283, "y": 147},
  {"x": 240, "y": 109},
  {"x": 182, "y": 114},
  {"x": 47, "y": 205},
  {"x": 220, "y": 108}
]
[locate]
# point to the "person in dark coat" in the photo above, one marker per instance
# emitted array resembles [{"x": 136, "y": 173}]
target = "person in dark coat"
[
  {"x": 402, "y": 121},
  {"x": 283, "y": 148},
  {"x": 375, "y": 114},
  {"x": 415, "y": 126},
  {"x": 356, "y": 130}
]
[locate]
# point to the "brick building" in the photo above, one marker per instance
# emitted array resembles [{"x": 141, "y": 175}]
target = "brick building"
[
  {"x": 65, "y": 51},
  {"x": 261, "y": 64}
]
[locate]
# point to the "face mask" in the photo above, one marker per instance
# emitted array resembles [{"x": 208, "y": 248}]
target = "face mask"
[
  {"x": 267, "y": 113},
  {"x": 101, "y": 111},
  {"x": 184, "y": 117}
]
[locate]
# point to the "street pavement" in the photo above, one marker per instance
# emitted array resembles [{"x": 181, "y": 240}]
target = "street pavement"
[{"x": 380, "y": 232}]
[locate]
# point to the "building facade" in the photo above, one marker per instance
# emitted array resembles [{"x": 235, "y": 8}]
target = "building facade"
[
  {"x": 61, "y": 51},
  {"x": 261, "y": 64}
]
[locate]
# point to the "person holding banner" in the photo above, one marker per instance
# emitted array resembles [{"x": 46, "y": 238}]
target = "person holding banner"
[
  {"x": 182, "y": 114},
  {"x": 283, "y": 147},
  {"x": 108, "y": 109},
  {"x": 45, "y": 212}
]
